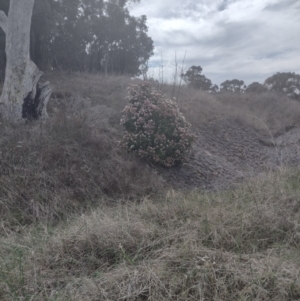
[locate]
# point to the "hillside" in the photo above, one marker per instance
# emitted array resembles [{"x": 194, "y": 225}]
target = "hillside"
[
  {"x": 228, "y": 151},
  {"x": 82, "y": 220}
]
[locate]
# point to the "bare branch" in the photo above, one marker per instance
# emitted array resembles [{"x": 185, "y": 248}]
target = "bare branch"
[{"x": 3, "y": 21}]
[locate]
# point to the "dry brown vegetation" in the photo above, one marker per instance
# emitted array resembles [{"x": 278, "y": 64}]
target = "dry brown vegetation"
[
  {"x": 81, "y": 220},
  {"x": 267, "y": 112},
  {"x": 69, "y": 163}
]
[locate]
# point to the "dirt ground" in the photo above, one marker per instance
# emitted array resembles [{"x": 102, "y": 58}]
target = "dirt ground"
[{"x": 228, "y": 151}]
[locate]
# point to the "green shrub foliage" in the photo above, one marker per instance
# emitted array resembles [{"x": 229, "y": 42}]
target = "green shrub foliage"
[{"x": 155, "y": 129}]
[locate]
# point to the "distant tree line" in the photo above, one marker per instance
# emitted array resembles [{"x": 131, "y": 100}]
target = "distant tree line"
[
  {"x": 86, "y": 35},
  {"x": 287, "y": 83}
]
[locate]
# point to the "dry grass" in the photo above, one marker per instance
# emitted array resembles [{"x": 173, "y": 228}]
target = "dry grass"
[
  {"x": 110, "y": 91},
  {"x": 68, "y": 232},
  {"x": 237, "y": 245},
  {"x": 268, "y": 113},
  {"x": 66, "y": 165}
]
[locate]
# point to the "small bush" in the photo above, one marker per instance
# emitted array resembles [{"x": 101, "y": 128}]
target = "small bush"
[{"x": 155, "y": 128}]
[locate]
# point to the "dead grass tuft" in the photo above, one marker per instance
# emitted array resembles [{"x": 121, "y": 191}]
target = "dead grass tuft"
[
  {"x": 267, "y": 112},
  {"x": 110, "y": 91},
  {"x": 235, "y": 245},
  {"x": 66, "y": 165}
]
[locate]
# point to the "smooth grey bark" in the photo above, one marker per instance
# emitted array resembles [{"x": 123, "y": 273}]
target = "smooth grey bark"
[
  {"x": 3, "y": 21},
  {"x": 23, "y": 95}
]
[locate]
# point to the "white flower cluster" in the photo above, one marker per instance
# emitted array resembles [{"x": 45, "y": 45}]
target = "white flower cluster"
[{"x": 154, "y": 127}]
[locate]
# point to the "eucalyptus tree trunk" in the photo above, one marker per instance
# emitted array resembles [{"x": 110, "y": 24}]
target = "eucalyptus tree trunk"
[{"x": 23, "y": 95}]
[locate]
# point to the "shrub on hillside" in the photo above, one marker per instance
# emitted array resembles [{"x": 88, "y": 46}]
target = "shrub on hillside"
[{"x": 155, "y": 128}]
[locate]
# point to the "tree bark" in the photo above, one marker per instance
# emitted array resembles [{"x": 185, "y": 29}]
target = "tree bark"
[{"x": 23, "y": 95}]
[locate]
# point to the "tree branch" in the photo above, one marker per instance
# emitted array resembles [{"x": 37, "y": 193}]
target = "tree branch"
[{"x": 3, "y": 21}]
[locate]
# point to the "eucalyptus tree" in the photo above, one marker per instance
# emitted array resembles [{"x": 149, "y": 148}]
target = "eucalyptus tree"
[
  {"x": 23, "y": 94},
  {"x": 100, "y": 36},
  {"x": 287, "y": 83},
  {"x": 234, "y": 85},
  {"x": 256, "y": 87},
  {"x": 196, "y": 80}
]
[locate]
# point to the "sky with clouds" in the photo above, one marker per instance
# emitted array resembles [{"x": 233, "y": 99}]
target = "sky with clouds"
[{"x": 244, "y": 39}]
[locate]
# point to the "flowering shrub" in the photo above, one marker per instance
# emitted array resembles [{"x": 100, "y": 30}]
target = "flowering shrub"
[{"x": 155, "y": 128}]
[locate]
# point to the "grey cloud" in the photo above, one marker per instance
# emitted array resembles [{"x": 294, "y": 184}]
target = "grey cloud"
[
  {"x": 233, "y": 35},
  {"x": 230, "y": 35},
  {"x": 281, "y": 5},
  {"x": 250, "y": 49},
  {"x": 222, "y": 50},
  {"x": 170, "y": 9},
  {"x": 223, "y": 5},
  {"x": 192, "y": 6},
  {"x": 181, "y": 38},
  {"x": 274, "y": 54}
]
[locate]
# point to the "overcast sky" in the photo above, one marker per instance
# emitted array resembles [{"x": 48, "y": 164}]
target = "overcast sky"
[{"x": 244, "y": 39}]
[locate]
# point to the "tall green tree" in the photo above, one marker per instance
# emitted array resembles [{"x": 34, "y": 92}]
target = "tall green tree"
[
  {"x": 195, "y": 79},
  {"x": 118, "y": 42},
  {"x": 87, "y": 35},
  {"x": 70, "y": 40},
  {"x": 256, "y": 87},
  {"x": 287, "y": 83},
  {"x": 234, "y": 85},
  {"x": 43, "y": 26}
]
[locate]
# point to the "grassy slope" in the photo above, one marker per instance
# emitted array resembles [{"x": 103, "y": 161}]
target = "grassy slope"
[{"x": 67, "y": 238}]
